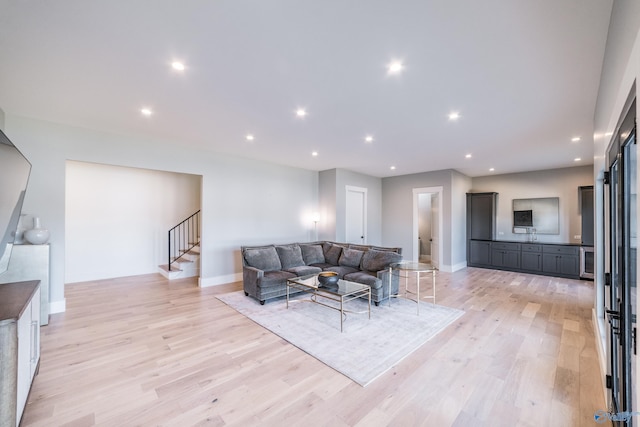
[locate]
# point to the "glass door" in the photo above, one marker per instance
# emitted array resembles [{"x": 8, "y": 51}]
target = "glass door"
[
  {"x": 629, "y": 156},
  {"x": 621, "y": 305}
]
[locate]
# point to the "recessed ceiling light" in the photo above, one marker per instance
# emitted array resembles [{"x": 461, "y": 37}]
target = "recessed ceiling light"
[
  {"x": 577, "y": 159},
  {"x": 301, "y": 112},
  {"x": 608, "y": 134},
  {"x": 146, "y": 111},
  {"x": 368, "y": 138},
  {"x": 454, "y": 115},
  {"x": 392, "y": 168},
  {"x": 491, "y": 169},
  {"x": 395, "y": 67},
  {"x": 468, "y": 156},
  {"x": 314, "y": 153},
  {"x": 177, "y": 65},
  {"x": 250, "y": 137},
  {"x": 575, "y": 139}
]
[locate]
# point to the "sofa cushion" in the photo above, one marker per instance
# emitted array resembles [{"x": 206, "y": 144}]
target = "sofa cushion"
[
  {"x": 374, "y": 260},
  {"x": 304, "y": 270},
  {"x": 341, "y": 270},
  {"x": 350, "y": 258},
  {"x": 312, "y": 254},
  {"x": 290, "y": 256},
  {"x": 366, "y": 278},
  {"x": 332, "y": 253},
  {"x": 363, "y": 248},
  {"x": 275, "y": 278},
  {"x": 265, "y": 259}
]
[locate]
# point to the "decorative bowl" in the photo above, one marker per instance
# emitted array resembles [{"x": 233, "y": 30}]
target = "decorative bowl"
[{"x": 328, "y": 278}]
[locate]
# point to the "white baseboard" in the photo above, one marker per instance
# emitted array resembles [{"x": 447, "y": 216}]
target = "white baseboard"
[
  {"x": 453, "y": 268},
  {"x": 58, "y": 306},
  {"x": 219, "y": 280}
]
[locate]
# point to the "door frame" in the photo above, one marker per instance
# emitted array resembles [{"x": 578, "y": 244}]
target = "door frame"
[
  {"x": 415, "y": 234},
  {"x": 365, "y": 207}
]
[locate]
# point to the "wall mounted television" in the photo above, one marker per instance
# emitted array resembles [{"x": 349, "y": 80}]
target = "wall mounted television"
[
  {"x": 523, "y": 218},
  {"x": 14, "y": 176}
]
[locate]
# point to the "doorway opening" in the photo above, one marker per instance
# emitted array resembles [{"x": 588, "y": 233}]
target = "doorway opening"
[{"x": 427, "y": 225}]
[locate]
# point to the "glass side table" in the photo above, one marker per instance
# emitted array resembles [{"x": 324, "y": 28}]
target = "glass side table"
[{"x": 405, "y": 269}]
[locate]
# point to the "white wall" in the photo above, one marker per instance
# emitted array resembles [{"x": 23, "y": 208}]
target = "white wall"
[
  {"x": 243, "y": 201},
  {"x": 373, "y": 185},
  {"x": 562, "y": 183},
  {"x": 397, "y": 213},
  {"x": 117, "y": 218},
  {"x": 333, "y": 199}
]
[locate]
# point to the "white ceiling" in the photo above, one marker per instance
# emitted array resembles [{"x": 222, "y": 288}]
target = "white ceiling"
[{"x": 523, "y": 74}]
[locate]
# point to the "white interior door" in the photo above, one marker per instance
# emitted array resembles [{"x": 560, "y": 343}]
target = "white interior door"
[
  {"x": 435, "y": 229},
  {"x": 356, "y": 215}
]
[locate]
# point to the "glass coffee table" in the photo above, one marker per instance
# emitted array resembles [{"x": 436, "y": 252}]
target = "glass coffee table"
[
  {"x": 341, "y": 293},
  {"x": 404, "y": 269}
]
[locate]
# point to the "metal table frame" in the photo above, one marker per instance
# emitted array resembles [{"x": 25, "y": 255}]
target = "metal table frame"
[
  {"x": 408, "y": 267},
  {"x": 347, "y": 291}
]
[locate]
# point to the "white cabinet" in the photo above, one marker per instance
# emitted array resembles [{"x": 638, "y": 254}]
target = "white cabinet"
[
  {"x": 31, "y": 262},
  {"x": 28, "y": 351},
  {"x": 20, "y": 343}
]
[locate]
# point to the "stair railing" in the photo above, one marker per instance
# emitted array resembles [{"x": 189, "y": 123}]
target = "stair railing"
[{"x": 183, "y": 237}]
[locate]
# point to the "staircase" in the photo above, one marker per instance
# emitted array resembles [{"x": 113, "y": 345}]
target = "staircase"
[{"x": 184, "y": 249}]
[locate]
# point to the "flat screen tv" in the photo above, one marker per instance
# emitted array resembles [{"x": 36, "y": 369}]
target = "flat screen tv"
[
  {"x": 523, "y": 218},
  {"x": 14, "y": 176}
]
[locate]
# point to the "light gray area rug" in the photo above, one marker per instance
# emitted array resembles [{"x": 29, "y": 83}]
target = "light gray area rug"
[{"x": 367, "y": 348}]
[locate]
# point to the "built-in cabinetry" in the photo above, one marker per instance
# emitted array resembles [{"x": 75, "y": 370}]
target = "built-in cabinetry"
[
  {"x": 483, "y": 250},
  {"x": 31, "y": 262},
  {"x": 539, "y": 258},
  {"x": 20, "y": 346}
]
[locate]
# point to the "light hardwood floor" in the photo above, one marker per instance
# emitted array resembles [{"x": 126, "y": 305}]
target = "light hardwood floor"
[{"x": 143, "y": 351}]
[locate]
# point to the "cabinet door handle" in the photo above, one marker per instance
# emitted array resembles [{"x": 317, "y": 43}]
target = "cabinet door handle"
[{"x": 34, "y": 341}]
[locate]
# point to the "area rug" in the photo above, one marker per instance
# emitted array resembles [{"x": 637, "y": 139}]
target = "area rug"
[{"x": 367, "y": 348}]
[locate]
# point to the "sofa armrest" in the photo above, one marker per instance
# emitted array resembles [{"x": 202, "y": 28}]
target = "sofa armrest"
[{"x": 251, "y": 277}]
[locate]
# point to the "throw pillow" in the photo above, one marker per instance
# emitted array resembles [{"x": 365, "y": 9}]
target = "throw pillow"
[
  {"x": 374, "y": 260},
  {"x": 312, "y": 254},
  {"x": 332, "y": 254},
  {"x": 265, "y": 259},
  {"x": 290, "y": 256},
  {"x": 351, "y": 258}
]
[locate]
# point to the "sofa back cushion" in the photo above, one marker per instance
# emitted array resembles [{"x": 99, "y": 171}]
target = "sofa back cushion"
[
  {"x": 312, "y": 254},
  {"x": 332, "y": 253},
  {"x": 290, "y": 256},
  {"x": 350, "y": 258},
  {"x": 374, "y": 260},
  {"x": 265, "y": 259}
]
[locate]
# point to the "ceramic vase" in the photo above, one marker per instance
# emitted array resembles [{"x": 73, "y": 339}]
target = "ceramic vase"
[{"x": 37, "y": 235}]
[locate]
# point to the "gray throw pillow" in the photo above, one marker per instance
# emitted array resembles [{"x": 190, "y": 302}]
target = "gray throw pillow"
[
  {"x": 265, "y": 259},
  {"x": 379, "y": 260},
  {"x": 290, "y": 256},
  {"x": 312, "y": 254},
  {"x": 351, "y": 258},
  {"x": 332, "y": 254}
]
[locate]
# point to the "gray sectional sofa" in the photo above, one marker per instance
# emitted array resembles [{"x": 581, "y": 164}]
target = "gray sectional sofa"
[{"x": 265, "y": 269}]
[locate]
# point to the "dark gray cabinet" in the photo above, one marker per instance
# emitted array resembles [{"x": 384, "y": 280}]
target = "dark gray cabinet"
[
  {"x": 586, "y": 210},
  {"x": 481, "y": 216},
  {"x": 506, "y": 255},
  {"x": 561, "y": 260},
  {"x": 481, "y": 227},
  {"x": 538, "y": 258},
  {"x": 531, "y": 258},
  {"x": 479, "y": 253}
]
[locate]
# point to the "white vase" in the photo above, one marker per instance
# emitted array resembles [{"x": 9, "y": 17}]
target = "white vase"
[{"x": 37, "y": 235}]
